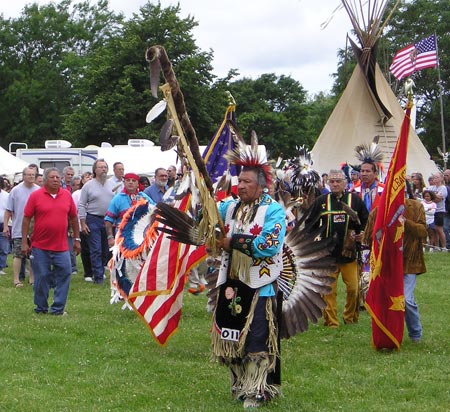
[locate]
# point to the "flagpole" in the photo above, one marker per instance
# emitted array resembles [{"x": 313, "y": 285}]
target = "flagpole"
[{"x": 444, "y": 150}]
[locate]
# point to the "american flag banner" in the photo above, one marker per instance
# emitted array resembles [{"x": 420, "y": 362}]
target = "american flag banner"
[
  {"x": 385, "y": 298},
  {"x": 418, "y": 56},
  {"x": 157, "y": 293}
]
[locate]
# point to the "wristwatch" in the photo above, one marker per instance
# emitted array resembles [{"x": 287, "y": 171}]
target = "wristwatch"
[{"x": 77, "y": 238}]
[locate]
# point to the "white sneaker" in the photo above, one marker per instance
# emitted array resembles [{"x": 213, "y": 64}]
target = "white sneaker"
[
  {"x": 2, "y": 272},
  {"x": 88, "y": 279}
]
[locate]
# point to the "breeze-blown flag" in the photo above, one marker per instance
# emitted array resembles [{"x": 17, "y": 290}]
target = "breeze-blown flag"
[
  {"x": 157, "y": 293},
  {"x": 385, "y": 299},
  {"x": 418, "y": 56}
]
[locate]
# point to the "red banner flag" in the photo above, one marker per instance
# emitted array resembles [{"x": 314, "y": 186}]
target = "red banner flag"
[
  {"x": 157, "y": 293},
  {"x": 385, "y": 299}
]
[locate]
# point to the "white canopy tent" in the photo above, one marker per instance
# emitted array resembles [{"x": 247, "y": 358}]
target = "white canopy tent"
[{"x": 10, "y": 164}]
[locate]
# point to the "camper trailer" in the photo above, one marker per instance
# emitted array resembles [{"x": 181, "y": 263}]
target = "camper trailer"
[
  {"x": 59, "y": 154},
  {"x": 139, "y": 156}
]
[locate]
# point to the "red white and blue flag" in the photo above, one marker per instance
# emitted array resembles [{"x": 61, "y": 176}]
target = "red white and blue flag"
[
  {"x": 418, "y": 56},
  {"x": 157, "y": 293}
]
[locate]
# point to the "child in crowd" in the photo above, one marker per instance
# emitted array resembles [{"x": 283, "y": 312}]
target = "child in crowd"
[{"x": 430, "y": 208}]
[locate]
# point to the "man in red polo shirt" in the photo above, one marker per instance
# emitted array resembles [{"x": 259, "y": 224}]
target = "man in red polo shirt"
[{"x": 52, "y": 209}]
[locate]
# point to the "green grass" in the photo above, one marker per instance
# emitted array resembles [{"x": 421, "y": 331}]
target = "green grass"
[{"x": 100, "y": 359}]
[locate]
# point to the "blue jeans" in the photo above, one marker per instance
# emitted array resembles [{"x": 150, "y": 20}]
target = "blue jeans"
[
  {"x": 73, "y": 256},
  {"x": 412, "y": 316},
  {"x": 447, "y": 229},
  {"x": 98, "y": 246},
  {"x": 5, "y": 248},
  {"x": 51, "y": 269}
]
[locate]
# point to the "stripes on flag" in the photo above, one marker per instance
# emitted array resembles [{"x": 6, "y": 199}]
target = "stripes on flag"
[
  {"x": 418, "y": 56},
  {"x": 157, "y": 293}
]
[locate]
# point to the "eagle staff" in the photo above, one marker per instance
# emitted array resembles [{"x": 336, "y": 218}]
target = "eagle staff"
[{"x": 158, "y": 60}]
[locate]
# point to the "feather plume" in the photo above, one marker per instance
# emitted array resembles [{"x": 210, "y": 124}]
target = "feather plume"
[
  {"x": 225, "y": 183},
  {"x": 166, "y": 140},
  {"x": 254, "y": 141},
  {"x": 155, "y": 111},
  {"x": 195, "y": 193},
  {"x": 235, "y": 133},
  {"x": 184, "y": 186},
  {"x": 155, "y": 70},
  {"x": 369, "y": 153},
  {"x": 178, "y": 225},
  {"x": 300, "y": 175},
  {"x": 248, "y": 156}
]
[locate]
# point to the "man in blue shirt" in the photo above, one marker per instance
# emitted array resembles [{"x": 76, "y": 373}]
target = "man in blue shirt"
[{"x": 156, "y": 190}]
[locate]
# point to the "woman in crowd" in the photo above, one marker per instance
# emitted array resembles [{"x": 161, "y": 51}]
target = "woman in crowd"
[{"x": 418, "y": 184}]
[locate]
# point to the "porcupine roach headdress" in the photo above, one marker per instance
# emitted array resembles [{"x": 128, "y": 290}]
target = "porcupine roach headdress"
[
  {"x": 370, "y": 153},
  {"x": 249, "y": 157}
]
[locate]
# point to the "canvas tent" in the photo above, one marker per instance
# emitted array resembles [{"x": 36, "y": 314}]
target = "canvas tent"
[
  {"x": 10, "y": 164},
  {"x": 366, "y": 109}
]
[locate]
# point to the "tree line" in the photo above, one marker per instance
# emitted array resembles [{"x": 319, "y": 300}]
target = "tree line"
[{"x": 76, "y": 71}]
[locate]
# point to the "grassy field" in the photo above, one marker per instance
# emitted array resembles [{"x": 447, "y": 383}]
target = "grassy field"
[{"x": 100, "y": 358}]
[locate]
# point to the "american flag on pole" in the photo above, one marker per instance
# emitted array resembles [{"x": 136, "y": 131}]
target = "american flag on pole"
[
  {"x": 157, "y": 293},
  {"x": 418, "y": 56}
]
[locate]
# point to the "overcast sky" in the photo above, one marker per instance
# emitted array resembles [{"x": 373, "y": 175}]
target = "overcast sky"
[{"x": 257, "y": 36}]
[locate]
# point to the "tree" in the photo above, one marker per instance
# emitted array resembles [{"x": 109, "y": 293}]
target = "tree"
[
  {"x": 113, "y": 92},
  {"x": 39, "y": 51},
  {"x": 320, "y": 107},
  {"x": 275, "y": 107}
]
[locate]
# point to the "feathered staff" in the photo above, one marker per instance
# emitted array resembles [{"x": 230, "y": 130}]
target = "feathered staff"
[{"x": 158, "y": 60}]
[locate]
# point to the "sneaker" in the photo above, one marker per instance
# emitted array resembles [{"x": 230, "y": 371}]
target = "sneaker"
[
  {"x": 74, "y": 272},
  {"x": 88, "y": 279},
  {"x": 59, "y": 313},
  {"x": 2, "y": 272}
]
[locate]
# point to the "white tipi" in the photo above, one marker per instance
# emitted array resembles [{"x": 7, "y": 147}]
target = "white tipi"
[{"x": 367, "y": 108}]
